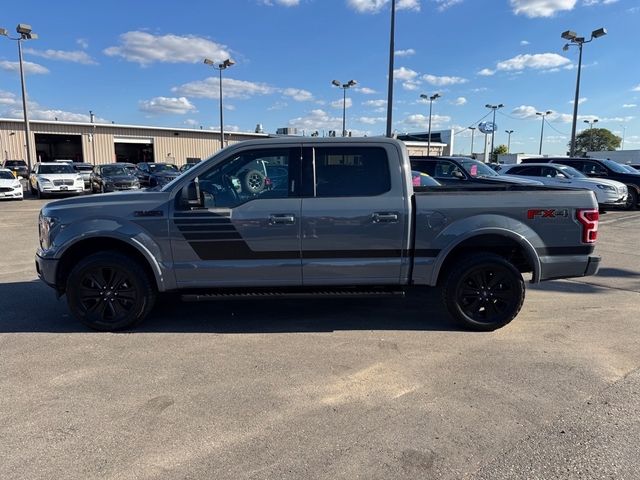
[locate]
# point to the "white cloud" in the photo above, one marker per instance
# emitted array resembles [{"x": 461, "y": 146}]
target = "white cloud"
[
  {"x": 191, "y": 122},
  {"x": 11, "y": 107},
  {"x": 338, "y": 103},
  {"x": 460, "y": 101},
  {"x": 75, "y": 56},
  {"x": 371, "y": 120},
  {"x": 524, "y": 111},
  {"x": 444, "y": 80},
  {"x": 636, "y": 88},
  {"x": 524, "y": 42},
  {"x": 418, "y": 120},
  {"x": 538, "y": 61},
  {"x": 297, "y": 94},
  {"x": 590, "y": 3},
  {"x": 541, "y": 8},
  {"x": 375, "y": 103},
  {"x": 629, "y": 105},
  {"x": 82, "y": 43},
  {"x": 145, "y": 48},
  {"x": 486, "y": 72},
  {"x": 317, "y": 120},
  {"x": 232, "y": 88},
  {"x": 411, "y": 85},
  {"x": 166, "y": 105},
  {"x": 405, "y": 74},
  {"x": 365, "y": 90},
  {"x": 30, "y": 68},
  {"x": 444, "y": 4},
  {"x": 405, "y": 53},
  {"x": 374, "y": 6},
  {"x": 581, "y": 100}
]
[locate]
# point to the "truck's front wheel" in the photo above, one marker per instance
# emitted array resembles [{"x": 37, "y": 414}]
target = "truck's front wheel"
[
  {"x": 109, "y": 291},
  {"x": 483, "y": 292}
]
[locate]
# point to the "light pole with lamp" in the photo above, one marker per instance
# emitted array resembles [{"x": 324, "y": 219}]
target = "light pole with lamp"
[
  {"x": 344, "y": 87},
  {"x": 93, "y": 135},
  {"x": 591, "y": 122},
  {"x": 24, "y": 33},
  {"x": 575, "y": 40},
  {"x": 493, "y": 133},
  {"x": 220, "y": 67},
  {"x": 624, "y": 131},
  {"x": 473, "y": 131},
  {"x": 430, "y": 99},
  {"x": 542, "y": 114},
  {"x": 509, "y": 132}
]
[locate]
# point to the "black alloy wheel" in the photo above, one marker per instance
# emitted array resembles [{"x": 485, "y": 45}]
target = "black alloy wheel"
[
  {"x": 483, "y": 292},
  {"x": 109, "y": 291}
]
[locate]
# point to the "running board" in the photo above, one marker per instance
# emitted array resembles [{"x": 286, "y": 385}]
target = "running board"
[{"x": 266, "y": 294}]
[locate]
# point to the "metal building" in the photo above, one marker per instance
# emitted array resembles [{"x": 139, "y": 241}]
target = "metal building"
[{"x": 99, "y": 143}]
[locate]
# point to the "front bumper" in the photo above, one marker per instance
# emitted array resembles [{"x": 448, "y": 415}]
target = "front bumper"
[
  {"x": 13, "y": 194},
  {"x": 61, "y": 189},
  {"x": 47, "y": 268},
  {"x": 619, "y": 201}
]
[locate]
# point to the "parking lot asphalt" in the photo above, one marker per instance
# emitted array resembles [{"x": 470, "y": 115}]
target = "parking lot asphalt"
[{"x": 326, "y": 389}]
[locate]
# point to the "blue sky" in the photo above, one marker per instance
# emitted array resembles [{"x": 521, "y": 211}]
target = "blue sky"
[{"x": 141, "y": 63}]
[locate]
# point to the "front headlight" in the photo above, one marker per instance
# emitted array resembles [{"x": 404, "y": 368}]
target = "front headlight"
[
  {"x": 606, "y": 187},
  {"x": 44, "y": 180},
  {"x": 45, "y": 225},
  {"x": 17, "y": 186}
]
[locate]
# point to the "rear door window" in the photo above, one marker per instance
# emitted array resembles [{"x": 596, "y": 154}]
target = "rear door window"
[{"x": 351, "y": 172}]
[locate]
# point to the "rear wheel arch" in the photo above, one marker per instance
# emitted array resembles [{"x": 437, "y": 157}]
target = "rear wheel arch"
[
  {"x": 513, "y": 248},
  {"x": 90, "y": 246}
]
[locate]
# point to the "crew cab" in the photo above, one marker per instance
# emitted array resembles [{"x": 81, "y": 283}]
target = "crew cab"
[{"x": 347, "y": 221}]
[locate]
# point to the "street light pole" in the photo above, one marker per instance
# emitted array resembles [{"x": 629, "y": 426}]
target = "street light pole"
[
  {"x": 344, "y": 87},
  {"x": 24, "y": 33},
  {"x": 93, "y": 136},
  {"x": 509, "y": 132},
  {"x": 591, "y": 122},
  {"x": 624, "y": 131},
  {"x": 431, "y": 99},
  {"x": 473, "y": 131},
  {"x": 493, "y": 131},
  {"x": 542, "y": 114},
  {"x": 574, "y": 40},
  {"x": 391, "y": 58},
  {"x": 220, "y": 67}
]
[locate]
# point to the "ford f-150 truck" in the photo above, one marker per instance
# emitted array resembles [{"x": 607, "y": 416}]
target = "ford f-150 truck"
[{"x": 343, "y": 218}]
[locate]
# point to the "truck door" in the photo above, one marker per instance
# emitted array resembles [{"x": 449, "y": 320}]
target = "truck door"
[
  {"x": 355, "y": 216},
  {"x": 248, "y": 232}
]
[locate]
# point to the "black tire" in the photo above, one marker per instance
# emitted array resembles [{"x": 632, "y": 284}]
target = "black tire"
[
  {"x": 41, "y": 195},
  {"x": 31, "y": 189},
  {"x": 253, "y": 182},
  {"x": 632, "y": 199},
  {"x": 96, "y": 281},
  {"x": 102, "y": 188},
  {"x": 483, "y": 292}
]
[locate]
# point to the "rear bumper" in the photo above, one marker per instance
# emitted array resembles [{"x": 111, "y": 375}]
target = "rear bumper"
[{"x": 568, "y": 266}]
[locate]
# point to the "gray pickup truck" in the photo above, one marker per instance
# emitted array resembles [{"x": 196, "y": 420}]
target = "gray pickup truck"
[{"x": 309, "y": 216}]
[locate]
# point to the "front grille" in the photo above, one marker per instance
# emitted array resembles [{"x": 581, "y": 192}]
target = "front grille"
[
  {"x": 58, "y": 183},
  {"x": 123, "y": 184},
  {"x": 5, "y": 189}
]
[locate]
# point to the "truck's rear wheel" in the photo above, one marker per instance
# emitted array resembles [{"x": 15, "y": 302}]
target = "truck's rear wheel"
[
  {"x": 108, "y": 291},
  {"x": 483, "y": 292}
]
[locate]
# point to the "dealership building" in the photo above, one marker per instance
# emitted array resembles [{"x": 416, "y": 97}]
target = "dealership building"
[{"x": 100, "y": 143}]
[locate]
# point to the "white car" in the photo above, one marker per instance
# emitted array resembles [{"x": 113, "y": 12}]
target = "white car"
[
  {"x": 10, "y": 186},
  {"x": 55, "y": 178},
  {"x": 609, "y": 193}
]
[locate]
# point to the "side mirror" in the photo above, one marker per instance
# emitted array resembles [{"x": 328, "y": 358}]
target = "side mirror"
[{"x": 191, "y": 195}]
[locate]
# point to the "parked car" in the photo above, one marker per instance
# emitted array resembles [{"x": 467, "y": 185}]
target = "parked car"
[
  {"x": 601, "y": 168},
  {"x": 630, "y": 168},
  {"x": 186, "y": 167},
  {"x": 84, "y": 169},
  {"x": 18, "y": 167},
  {"x": 350, "y": 223},
  {"x": 55, "y": 178},
  {"x": 156, "y": 174},
  {"x": 10, "y": 186},
  {"x": 456, "y": 170},
  {"x": 113, "y": 177},
  {"x": 609, "y": 193}
]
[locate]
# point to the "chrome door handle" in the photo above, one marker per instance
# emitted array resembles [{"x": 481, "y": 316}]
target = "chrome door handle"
[
  {"x": 282, "y": 219},
  {"x": 384, "y": 217}
]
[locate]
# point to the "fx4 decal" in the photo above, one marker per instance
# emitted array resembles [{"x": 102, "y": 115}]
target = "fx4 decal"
[{"x": 546, "y": 213}]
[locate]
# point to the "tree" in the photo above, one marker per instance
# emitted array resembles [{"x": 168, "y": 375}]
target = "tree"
[
  {"x": 596, "y": 140},
  {"x": 499, "y": 150}
]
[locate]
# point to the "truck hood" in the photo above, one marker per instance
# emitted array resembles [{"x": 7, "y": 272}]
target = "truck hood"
[{"x": 116, "y": 204}]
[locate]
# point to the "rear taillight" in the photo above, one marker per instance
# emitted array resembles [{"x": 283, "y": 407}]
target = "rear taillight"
[{"x": 589, "y": 221}]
